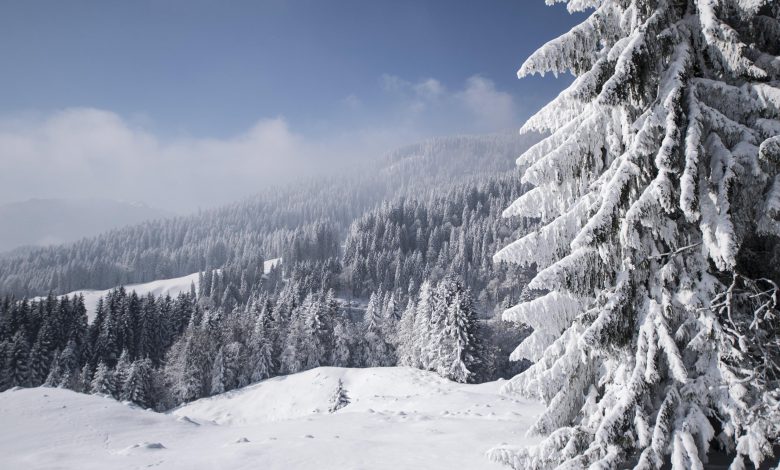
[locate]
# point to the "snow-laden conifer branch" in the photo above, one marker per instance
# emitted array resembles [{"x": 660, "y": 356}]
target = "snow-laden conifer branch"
[{"x": 659, "y": 181}]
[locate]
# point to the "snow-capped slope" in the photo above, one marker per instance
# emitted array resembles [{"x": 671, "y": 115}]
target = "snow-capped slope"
[
  {"x": 172, "y": 287},
  {"x": 397, "y": 418}
]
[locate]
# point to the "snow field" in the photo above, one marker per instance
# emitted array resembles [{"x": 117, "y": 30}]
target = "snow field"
[{"x": 397, "y": 418}]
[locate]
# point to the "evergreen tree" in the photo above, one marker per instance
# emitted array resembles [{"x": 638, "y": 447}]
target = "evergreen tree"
[
  {"x": 186, "y": 368},
  {"x": 376, "y": 350},
  {"x": 262, "y": 365},
  {"x": 56, "y": 373},
  {"x": 137, "y": 385},
  {"x": 344, "y": 341},
  {"x": 16, "y": 370},
  {"x": 406, "y": 337},
  {"x": 420, "y": 351},
  {"x": 657, "y": 196},
  {"x": 218, "y": 374},
  {"x": 121, "y": 372},
  {"x": 103, "y": 382},
  {"x": 68, "y": 366},
  {"x": 340, "y": 398},
  {"x": 460, "y": 349},
  {"x": 84, "y": 380},
  {"x": 292, "y": 355}
]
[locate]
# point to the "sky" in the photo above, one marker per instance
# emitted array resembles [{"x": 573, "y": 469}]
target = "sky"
[{"x": 186, "y": 104}]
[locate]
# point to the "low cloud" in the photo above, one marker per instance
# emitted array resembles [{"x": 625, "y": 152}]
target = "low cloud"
[
  {"x": 490, "y": 107},
  {"x": 87, "y": 152}
]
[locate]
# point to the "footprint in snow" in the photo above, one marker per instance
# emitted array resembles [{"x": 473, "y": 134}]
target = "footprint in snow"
[{"x": 142, "y": 447}]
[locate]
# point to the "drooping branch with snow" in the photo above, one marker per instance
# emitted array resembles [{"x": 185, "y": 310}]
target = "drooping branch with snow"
[{"x": 659, "y": 200}]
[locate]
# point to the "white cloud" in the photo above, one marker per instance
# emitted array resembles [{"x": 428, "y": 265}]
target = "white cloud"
[
  {"x": 87, "y": 152},
  {"x": 352, "y": 102},
  {"x": 478, "y": 107},
  {"x": 491, "y": 107},
  {"x": 429, "y": 89}
]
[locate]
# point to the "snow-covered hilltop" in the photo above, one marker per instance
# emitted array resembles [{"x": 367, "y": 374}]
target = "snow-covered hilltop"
[{"x": 395, "y": 418}]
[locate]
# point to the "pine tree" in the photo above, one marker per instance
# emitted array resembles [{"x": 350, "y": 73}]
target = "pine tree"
[
  {"x": 437, "y": 348},
  {"x": 84, "y": 383},
  {"x": 343, "y": 340},
  {"x": 292, "y": 355},
  {"x": 422, "y": 328},
  {"x": 186, "y": 368},
  {"x": 16, "y": 367},
  {"x": 262, "y": 365},
  {"x": 318, "y": 331},
  {"x": 56, "y": 372},
  {"x": 68, "y": 365},
  {"x": 121, "y": 371},
  {"x": 657, "y": 186},
  {"x": 218, "y": 374},
  {"x": 406, "y": 337},
  {"x": 137, "y": 385},
  {"x": 376, "y": 350},
  {"x": 460, "y": 355},
  {"x": 340, "y": 398},
  {"x": 103, "y": 382}
]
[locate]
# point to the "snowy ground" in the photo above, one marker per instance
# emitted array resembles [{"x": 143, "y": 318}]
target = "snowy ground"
[
  {"x": 172, "y": 287},
  {"x": 398, "y": 418}
]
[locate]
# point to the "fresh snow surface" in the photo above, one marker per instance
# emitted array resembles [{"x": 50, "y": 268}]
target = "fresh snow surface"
[
  {"x": 172, "y": 287},
  {"x": 398, "y": 418}
]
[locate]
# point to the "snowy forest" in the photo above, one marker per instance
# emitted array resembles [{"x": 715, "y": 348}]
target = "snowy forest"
[
  {"x": 624, "y": 274},
  {"x": 410, "y": 281}
]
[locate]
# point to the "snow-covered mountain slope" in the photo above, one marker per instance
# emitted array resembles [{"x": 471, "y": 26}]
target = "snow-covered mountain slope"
[
  {"x": 172, "y": 287},
  {"x": 397, "y": 418}
]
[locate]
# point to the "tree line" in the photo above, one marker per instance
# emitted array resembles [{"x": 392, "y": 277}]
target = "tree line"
[{"x": 159, "y": 352}]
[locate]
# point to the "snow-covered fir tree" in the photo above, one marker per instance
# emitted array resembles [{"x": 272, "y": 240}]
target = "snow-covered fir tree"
[
  {"x": 657, "y": 193},
  {"x": 137, "y": 385},
  {"x": 262, "y": 364},
  {"x": 218, "y": 374},
  {"x": 103, "y": 381},
  {"x": 376, "y": 350},
  {"x": 460, "y": 354},
  {"x": 340, "y": 398},
  {"x": 406, "y": 336}
]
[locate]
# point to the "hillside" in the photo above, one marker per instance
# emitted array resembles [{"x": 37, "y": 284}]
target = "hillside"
[
  {"x": 396, "y": 418},
  {"x": 267, "y": 224}
]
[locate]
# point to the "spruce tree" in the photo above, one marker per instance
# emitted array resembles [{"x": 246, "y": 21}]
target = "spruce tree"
[
  {"x": 460, "y": 354},
  {"x": 420, "y": 350},
  {"x": 340, "y": 398},
  {"x": 121, "y": 371},
  {"x": 218, "y": 374},
  {"x": 103, "y": 382},
  {"x": 376, "y": 350},
  {"x": 17, "y": 357},
  {"x": 657, "y": 196},
  {"x": 137, "y": 385},
  {"x": 406, "y": 337}
]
